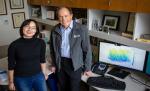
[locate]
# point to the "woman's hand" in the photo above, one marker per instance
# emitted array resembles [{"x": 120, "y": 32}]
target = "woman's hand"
[
  {"x": 12, "y": 86},
  {"x": 10, "y": 80},
  {"x": 52, "y": 69},
  {"x": 46, "y": 76}
]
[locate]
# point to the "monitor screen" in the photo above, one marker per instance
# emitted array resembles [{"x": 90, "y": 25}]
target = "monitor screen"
[
  {"x": 148, "y": 64},
  {"x": 122, "y": 55}
]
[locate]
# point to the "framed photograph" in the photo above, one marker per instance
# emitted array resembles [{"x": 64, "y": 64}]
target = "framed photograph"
[
  {"x": 51, "y": 15},
  {"x": 130, "y": 25},
  {"x": 3, "y": 9},
  {"x": 111, "y": 21},
  {"x": 95, "y": 24},
  {"x": 17, "y": 19},
  {"x": 36, "y": 12},
  {"x": 16, "y": 4}
]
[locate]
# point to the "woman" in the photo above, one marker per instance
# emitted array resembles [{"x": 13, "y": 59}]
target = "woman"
[{"x": 26, "y": 60}]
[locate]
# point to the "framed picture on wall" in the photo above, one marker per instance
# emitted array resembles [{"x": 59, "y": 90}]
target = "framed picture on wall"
[
  {"x": 51, "y": 14},
  {"x": 111, "y": 21},
  {"x": 3, "y": 9},
  {"x": 36, "y": 12},
  {"x": 17, "y": 19},
  {"x": 16, "y": 4},
  {"x": 130, "y": 25}
]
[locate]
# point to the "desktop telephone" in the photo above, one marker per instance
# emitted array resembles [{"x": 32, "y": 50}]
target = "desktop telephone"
[{"x": 99, "y": 68}]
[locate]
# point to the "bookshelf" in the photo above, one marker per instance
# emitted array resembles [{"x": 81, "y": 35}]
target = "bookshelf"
[{"x": 141, "y": 25}]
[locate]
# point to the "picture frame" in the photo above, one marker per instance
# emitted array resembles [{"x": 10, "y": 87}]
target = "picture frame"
[
  {"x": 3, "y": 9},
  {"x": 51, "y": 14},
  {"x": 111, "y": 21},
  {"x": 35, "y": 12},
  {"x": 17, "y": 19},
  {"x": 130, "y": 23},
  {"x": 16, "y": 4}
]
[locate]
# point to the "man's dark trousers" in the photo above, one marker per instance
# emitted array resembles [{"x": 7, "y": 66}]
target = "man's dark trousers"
[{"x": 68, "y": 79}]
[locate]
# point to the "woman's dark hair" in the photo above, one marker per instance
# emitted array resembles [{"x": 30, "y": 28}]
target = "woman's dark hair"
[{"x": 27, "y": 22}]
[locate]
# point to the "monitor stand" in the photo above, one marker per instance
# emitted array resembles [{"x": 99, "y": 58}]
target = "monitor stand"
[{"x": 118, "y": 72}]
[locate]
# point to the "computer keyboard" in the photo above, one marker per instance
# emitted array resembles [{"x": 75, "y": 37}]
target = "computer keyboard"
[{"x": 106, "y": 82}]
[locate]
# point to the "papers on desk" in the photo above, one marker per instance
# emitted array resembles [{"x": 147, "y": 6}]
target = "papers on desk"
[{"x": 3, "y": 76}]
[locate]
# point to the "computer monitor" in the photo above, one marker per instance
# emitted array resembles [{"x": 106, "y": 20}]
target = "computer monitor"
[
  {"x": 121, "y": 55},
  {"x": 147, "y": 68}
]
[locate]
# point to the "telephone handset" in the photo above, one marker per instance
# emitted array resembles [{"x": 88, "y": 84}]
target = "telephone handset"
[{"x": 99, "y": 68}]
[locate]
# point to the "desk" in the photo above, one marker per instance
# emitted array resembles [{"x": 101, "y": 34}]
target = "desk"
[
  {"x": 131, "y": 85},
  {"x": 3, "y": 85},
  {"x": 3, "y": 66}
]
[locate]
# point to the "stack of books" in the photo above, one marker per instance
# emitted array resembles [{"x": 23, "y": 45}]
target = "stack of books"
[
  {"x": 143, "y": 40},
  {"x": 128, "y": 35}
]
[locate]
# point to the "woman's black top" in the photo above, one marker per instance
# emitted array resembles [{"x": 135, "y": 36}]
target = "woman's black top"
[{"x": 25, "y": 56}]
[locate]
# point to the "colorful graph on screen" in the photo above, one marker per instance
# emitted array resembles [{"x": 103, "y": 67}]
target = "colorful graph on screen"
[{"x": 120, "y": 55}]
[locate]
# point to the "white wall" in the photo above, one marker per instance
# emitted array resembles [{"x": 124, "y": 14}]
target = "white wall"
[
  {"x": 142, "y": 25},
  {"x": 7, "y": 32}
]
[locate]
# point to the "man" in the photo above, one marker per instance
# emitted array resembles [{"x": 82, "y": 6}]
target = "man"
[{"x": 70, "y": 51}]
